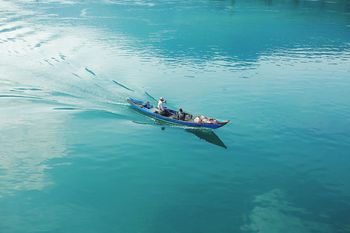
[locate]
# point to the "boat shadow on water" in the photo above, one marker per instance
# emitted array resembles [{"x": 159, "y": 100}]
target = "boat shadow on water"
[{"x": 207, "y": 135}]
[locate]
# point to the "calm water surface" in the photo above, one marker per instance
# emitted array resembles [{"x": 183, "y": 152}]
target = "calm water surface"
[{"x": 75, "y": 158}]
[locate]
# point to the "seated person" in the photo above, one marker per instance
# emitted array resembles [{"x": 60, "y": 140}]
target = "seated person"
[
  {"x": 180, "y": 115},
  {"x": 147, "y": 105},
  {"x": 188, "y": 117}
]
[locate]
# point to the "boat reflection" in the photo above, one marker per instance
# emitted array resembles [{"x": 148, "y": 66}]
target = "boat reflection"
[{"x": 205, "y": 134}]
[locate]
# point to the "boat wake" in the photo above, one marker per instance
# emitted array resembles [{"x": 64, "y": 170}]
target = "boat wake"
[{"x": 56, "y": 68}]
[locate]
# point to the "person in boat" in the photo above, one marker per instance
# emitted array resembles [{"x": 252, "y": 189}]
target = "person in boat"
[
  {"x": 147, "y": 105},
  {"x": 180, "y": 115},
  {"x": 162, "y": 108}
]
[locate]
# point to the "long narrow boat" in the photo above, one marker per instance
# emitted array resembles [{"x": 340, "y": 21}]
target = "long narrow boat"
[{"x": 153, "y": 112}]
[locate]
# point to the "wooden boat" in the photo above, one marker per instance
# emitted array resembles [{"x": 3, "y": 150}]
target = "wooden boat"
[{"x": 150, "y": 111}]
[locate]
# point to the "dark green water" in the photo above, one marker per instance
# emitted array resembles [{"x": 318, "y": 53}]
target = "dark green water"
[{"x": 74, "y": 157}]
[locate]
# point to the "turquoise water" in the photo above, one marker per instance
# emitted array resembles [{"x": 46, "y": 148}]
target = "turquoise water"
[{"x": 74, "y": 157}]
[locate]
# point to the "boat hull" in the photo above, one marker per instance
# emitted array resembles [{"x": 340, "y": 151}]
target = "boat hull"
[{"x": 137, "y": 104}]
